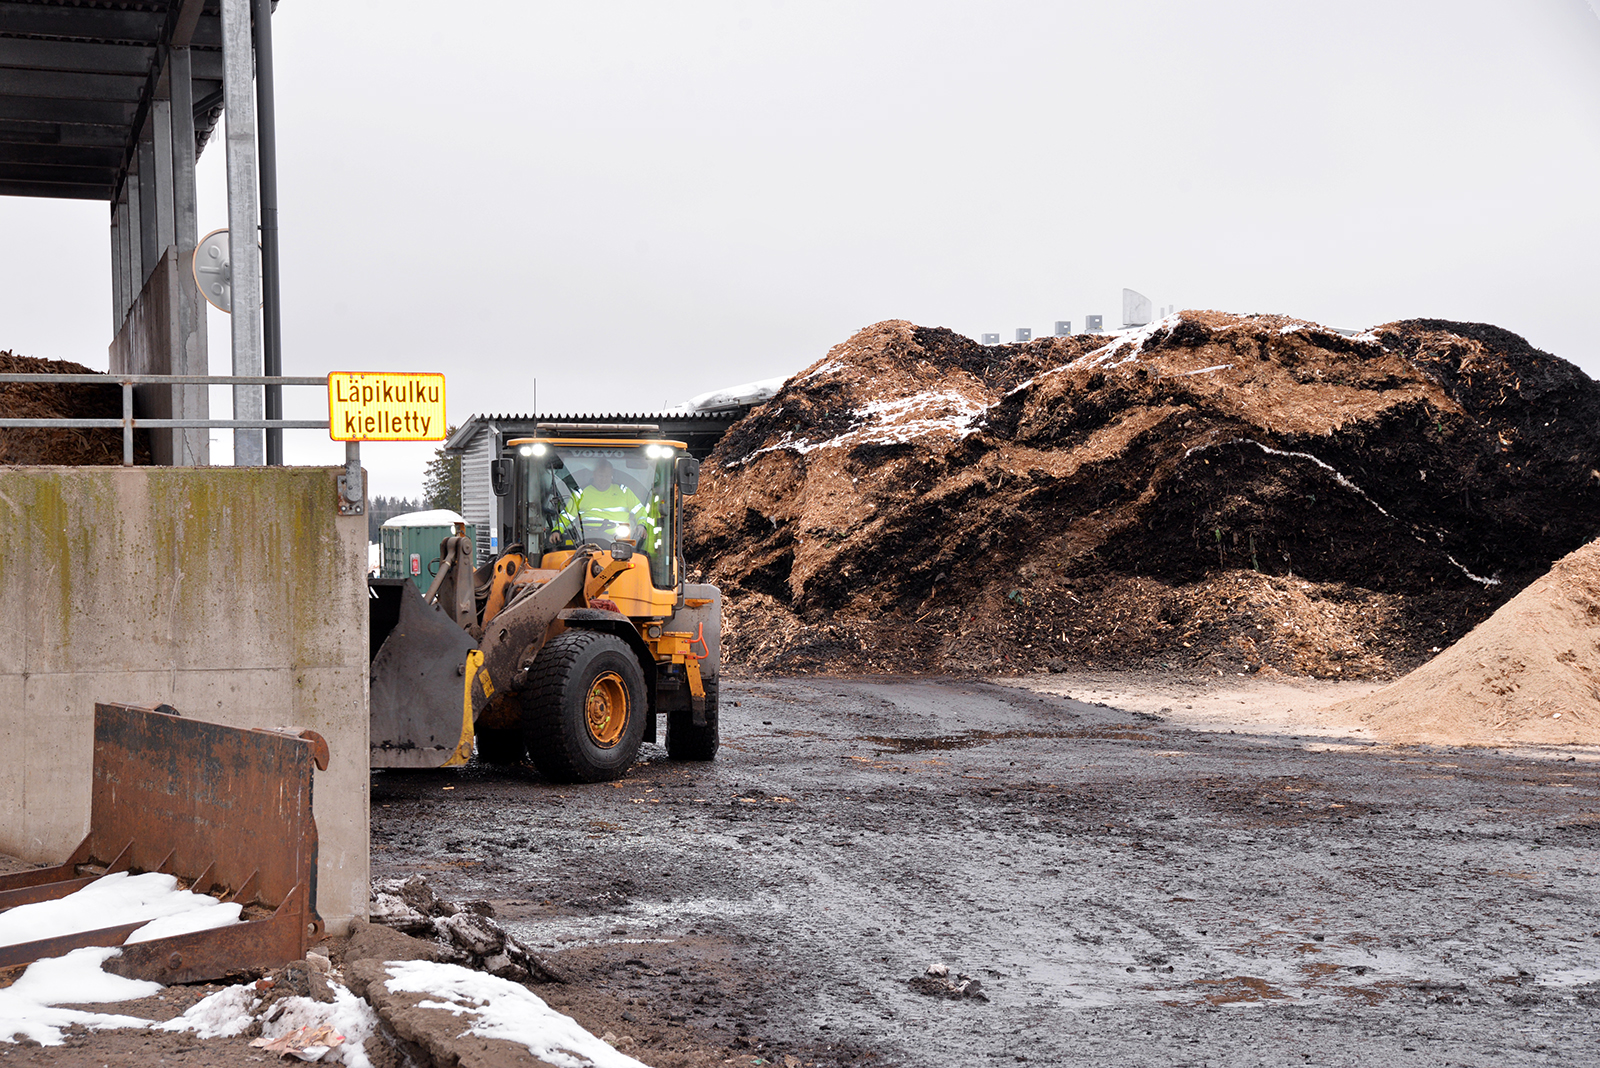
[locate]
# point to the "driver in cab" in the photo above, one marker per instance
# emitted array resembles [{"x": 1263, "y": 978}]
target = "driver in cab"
[{"x": 603, "y": 507}]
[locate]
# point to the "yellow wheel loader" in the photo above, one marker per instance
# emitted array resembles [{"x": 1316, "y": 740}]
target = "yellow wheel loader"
[{"x": 577, "y": 642}]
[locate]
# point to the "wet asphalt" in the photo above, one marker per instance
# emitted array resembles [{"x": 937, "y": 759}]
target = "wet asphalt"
[{"x": 1124, "y": 890}]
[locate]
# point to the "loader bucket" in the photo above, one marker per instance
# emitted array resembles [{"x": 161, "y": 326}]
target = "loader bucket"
[
  {"x": 418, "y": 659},
  {"x": 225, "y": 810}
]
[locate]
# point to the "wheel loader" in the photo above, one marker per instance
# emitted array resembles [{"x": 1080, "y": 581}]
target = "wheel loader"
[{"x": 577, "y": 642}]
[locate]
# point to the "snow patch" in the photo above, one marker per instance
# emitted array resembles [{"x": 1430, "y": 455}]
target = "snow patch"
[
  {"x": 894, "y": 422},
  {"x": 220, "y": 1015},
  {"x": 1201, "y": 371},
  {"x": 433, "y": 517},
  {"x": 502, "y": 1009},
  {"x": 117, "y": 899},
  {"x": 348, "y": 1015},
  {"x": 746, "y": 393},
  {"x": 30, "y": 1007},
  {"x": 826, "y": 368}
]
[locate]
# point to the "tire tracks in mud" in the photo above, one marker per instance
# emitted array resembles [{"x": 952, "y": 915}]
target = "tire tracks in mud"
[{"x": 1124, "y": 889}]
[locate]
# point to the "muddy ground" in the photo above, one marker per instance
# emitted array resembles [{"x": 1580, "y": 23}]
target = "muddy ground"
[{"x": 1126, "y": 887}]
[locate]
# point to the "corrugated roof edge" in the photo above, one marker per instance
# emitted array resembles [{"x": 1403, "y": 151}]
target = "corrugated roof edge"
[{"x": 468, "y": 430}]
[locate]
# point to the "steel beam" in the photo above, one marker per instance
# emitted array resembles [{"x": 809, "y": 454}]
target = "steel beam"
[
  {"x": 29, "y": 19},
  {"x": 186, "y": 22},
  {"x": 63, "y": 191},
  {"x": 53, "y": 85},
  {"x": 79, "y": 56},
  {"x": 117, "y": 114},
  {"x": 36, "y": 154},
  {"x": 63, "y": 136},
  {"x": 240, "y": 138},
  {"x": 41, "y": 174}
]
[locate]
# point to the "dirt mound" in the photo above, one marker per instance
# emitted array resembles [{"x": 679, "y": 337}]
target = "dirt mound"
[
  {"x": 1211, "y": 492},
  {"x": 1525, "y": 674},
  {"x": 68, "y": 447}
]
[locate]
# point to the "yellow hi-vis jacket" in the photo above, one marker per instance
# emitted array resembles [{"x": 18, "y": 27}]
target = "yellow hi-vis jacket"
[{"x": 603, "y": 510}]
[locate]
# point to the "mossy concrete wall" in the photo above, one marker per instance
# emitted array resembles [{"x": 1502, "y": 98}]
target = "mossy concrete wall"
[{"x": 237, "y": 595}]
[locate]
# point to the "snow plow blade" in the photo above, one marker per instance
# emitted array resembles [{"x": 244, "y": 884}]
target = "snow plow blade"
[
  {"x": 418, "y": 669},
  {"x": 227, "y": 811}
]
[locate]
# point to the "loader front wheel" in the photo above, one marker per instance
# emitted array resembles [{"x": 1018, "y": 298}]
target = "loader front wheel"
[
  {"x": 685, "y": 741},
  {"x": 585, "y": 708}
]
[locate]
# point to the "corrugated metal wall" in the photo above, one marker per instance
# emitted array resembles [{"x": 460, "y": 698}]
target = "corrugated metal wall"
[{"x": 479, "y": 506}]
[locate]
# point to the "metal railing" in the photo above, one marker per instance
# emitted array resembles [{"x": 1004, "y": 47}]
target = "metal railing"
[
  {"x": 350, "y": 486},
  {"x": 129, "y": 424}
]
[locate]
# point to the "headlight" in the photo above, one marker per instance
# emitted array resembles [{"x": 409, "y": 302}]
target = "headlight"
[
  {"x": 622, "y": 530},
  {"x": 540, "y": 449},
  {"x": 526, "y": 450}
]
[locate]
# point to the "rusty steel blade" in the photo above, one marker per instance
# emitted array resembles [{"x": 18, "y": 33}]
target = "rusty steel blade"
[{"x": 224, "y": 810}]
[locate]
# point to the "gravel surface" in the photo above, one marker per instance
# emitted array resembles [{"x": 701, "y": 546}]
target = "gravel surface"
[{"x": 1125, "y": 889}]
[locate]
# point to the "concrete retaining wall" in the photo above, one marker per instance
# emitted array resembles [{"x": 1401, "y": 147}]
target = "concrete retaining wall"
[
  {"x": 164, "y": 334},
  {"x": 236, "y": 595}
]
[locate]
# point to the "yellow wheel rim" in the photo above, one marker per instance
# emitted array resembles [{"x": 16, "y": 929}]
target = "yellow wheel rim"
[{"x": 606, "y": 710}]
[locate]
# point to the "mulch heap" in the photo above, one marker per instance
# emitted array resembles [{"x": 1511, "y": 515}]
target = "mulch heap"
[
  {"x": 1211, "y": 493},
  {"x": 70, "y": 447}
]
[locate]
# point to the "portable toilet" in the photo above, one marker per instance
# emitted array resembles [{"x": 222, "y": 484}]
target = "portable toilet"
[{"x": 411, "y": 543}]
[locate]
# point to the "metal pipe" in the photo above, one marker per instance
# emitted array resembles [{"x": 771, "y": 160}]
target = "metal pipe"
[
  {"x": 100, "y": 379},
  {"x": 127, "y": 424},
  {"x": 160, "y": 424},
  {"x": 267, "y": 154}
]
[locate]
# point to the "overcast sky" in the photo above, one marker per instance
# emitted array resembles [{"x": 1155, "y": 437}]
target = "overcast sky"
[{"x": 636, "y": 202}]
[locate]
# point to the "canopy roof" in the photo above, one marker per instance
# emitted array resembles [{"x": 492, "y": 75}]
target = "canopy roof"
[{"x": 76, "y": 81}]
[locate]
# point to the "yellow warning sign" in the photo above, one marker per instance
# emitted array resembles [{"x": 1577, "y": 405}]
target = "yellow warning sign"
[{"x": 385, "y": 406}]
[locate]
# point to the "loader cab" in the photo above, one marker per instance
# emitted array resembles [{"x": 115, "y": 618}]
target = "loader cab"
[{"x": 568, "y": 490}]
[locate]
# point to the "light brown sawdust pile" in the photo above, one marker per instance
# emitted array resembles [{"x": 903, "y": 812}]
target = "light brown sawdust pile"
[{"x": 1527, "y": 674}]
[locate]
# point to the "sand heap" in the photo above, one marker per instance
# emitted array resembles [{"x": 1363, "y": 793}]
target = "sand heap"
[
  {"x": 45, "y": 401},
  {"x": 1212, "y": 492},
  {"x": 1528, "y": 673}
]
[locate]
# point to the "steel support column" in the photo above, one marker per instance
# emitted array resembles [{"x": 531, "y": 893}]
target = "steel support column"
[
  {"x": 161, "y": 156},
  {"x": 116, "y": 268},
  {"x": 149, "y": 241},
  {"x": 238, "y": 70},
  {"x": 192, "y": 446},
  {"x": 124, "y": 259},
  {"x": 135, "y": 251}
]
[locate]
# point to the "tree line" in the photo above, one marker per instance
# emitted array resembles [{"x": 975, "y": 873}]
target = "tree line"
[{"x": 441, "y": 488}]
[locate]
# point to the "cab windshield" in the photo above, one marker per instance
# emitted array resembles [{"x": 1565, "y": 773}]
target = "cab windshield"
[{"x": 573, "y": 494}]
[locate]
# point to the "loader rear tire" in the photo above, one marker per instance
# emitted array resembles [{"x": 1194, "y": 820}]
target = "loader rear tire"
[
  {"x": 501, "y": 747},
  {"x": 585, "y": 708},
  {"x": 685, "y": 741}
]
